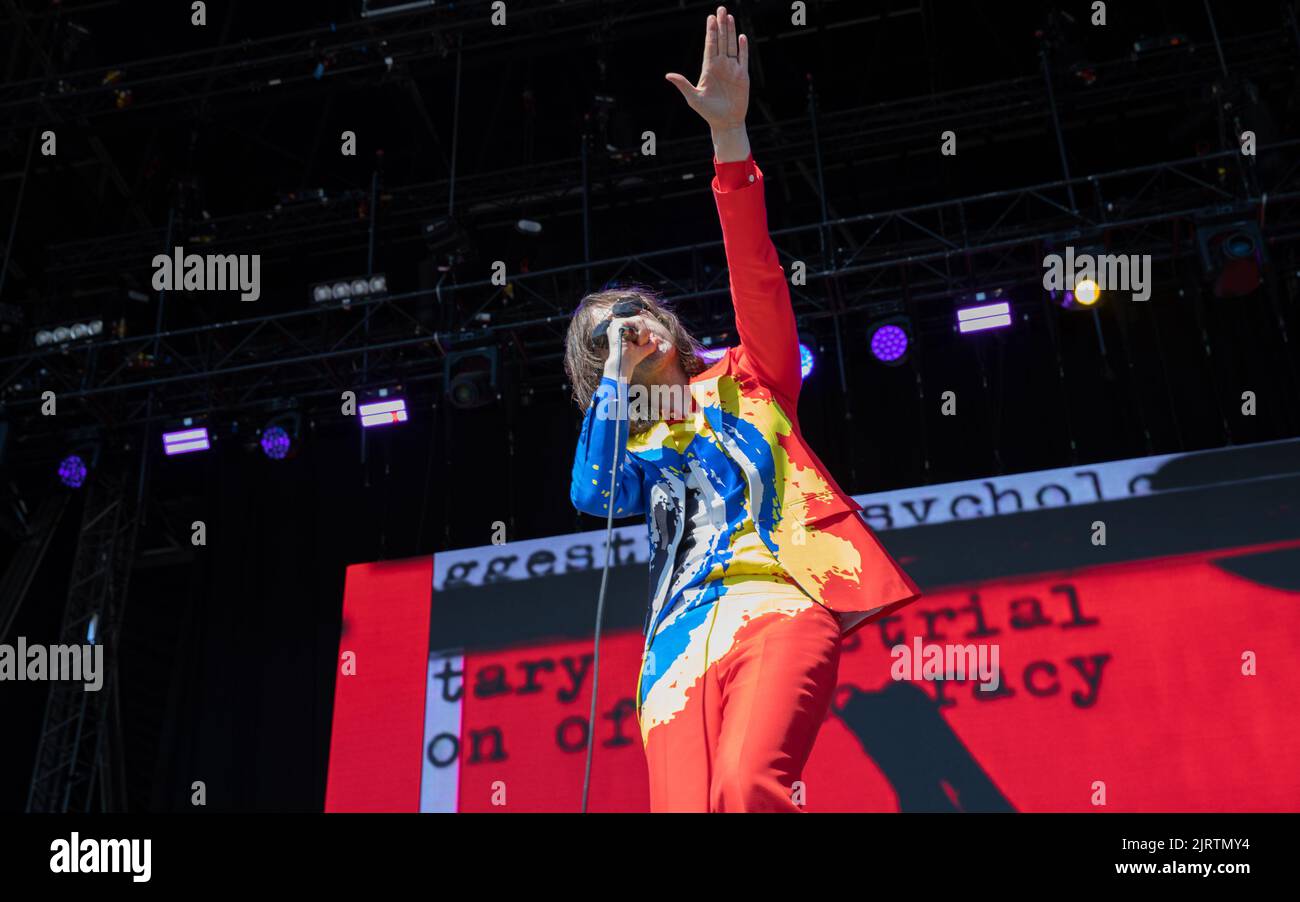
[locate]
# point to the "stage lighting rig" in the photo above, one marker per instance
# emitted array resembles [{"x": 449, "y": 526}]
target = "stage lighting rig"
[
  {"x": 1083, "y": 291},
  {"x": 470, "y": 377},
  {"x": 1232, "y": 257},
  {"x": 890, "y": 340},
  {"x": 383, "y": 408},
  {"x": 344, "y": 291},
  {"x": 982, "y": 311},
  {"x": 82, "y": 458},
  {"x": 281, "y": 437},
  {"x": 68, "y": 333},
  {"x": 191, "y": 437}
]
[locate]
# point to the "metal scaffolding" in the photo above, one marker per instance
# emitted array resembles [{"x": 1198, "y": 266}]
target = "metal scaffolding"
[
  {"x": 931, "y": 250},
  {"x": 79, "y": 754}
]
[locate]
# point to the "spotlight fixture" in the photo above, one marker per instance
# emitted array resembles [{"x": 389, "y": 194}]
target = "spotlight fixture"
[
  {"x": 275, "y": 442},
  {"x": 80, "y": 460},
  {"x": 188, "y": 440},
  {"x": 1232, "y": 257},
  {"x": 1086, "y": 292},
  {"x": 345, "y": 291},
  {"x": 1082, "y": 290},
  {"x": 72, "y": 471},
  {"x": 383, "y": 410},
  {"x": 987, "y": 312},
  {"x": 890, "y": 340},
  {"x": 280, "y": 437},
  {"x": 470, "y": 377}
]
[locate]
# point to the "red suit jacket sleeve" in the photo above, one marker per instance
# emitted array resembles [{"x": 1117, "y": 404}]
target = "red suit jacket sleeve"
[{"x": 769, "y": 339}]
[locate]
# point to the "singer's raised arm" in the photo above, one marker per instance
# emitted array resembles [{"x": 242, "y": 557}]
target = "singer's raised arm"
[
  {"x": 769, "y": 343},
  {"x": 769, "y": 338}
]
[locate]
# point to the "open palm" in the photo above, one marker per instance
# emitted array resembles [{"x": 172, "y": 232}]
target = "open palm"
[{"x": 722, "y": 95}]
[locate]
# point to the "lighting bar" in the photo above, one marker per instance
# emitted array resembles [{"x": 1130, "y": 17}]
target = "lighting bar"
[
  {"x": 381, "y": 413},
  {"x": 345, "y": 291},
  {"x": 186, "y": 440},
  {"x": 69, "y": 332},
  {"x": 985, "y": 316}
]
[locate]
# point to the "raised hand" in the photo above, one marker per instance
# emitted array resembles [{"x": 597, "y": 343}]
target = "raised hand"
[{"x": 722, "y": 95}]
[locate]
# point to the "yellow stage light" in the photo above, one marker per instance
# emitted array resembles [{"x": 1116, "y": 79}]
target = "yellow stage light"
[{"x": 1087, "y": 292}]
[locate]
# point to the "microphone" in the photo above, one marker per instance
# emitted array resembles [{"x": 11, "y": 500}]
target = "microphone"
[{"x": 628, "y": 305}]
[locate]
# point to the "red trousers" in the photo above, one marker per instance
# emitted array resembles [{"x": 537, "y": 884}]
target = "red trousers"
[{"x": 737, "y": 736}]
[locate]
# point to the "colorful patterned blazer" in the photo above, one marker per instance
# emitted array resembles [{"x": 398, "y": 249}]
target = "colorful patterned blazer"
[{"x": 749, "y": 399}]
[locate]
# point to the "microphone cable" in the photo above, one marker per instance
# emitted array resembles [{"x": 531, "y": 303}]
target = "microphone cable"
[{"x": 604, "y": 576}]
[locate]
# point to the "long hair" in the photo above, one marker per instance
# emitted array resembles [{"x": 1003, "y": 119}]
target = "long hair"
[{"x": 584, "y": 363}]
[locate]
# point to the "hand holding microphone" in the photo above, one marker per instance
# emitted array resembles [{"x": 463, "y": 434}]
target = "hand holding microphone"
[
  {"x": 633, "y": 333},
  {"x": 635, "y": 341}
]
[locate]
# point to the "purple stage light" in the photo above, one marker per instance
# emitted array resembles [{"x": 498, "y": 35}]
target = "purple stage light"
[
  {"x": 276, "y": 442},
  {"x": 186, "y": 441},
  {"x": 889, "y": 343},
  {"x": 72, "y": 471},
  {"x": 713, "y": 355},
  {"x": 985, "y": 316},
  {"x": 381, "y": 413}
]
